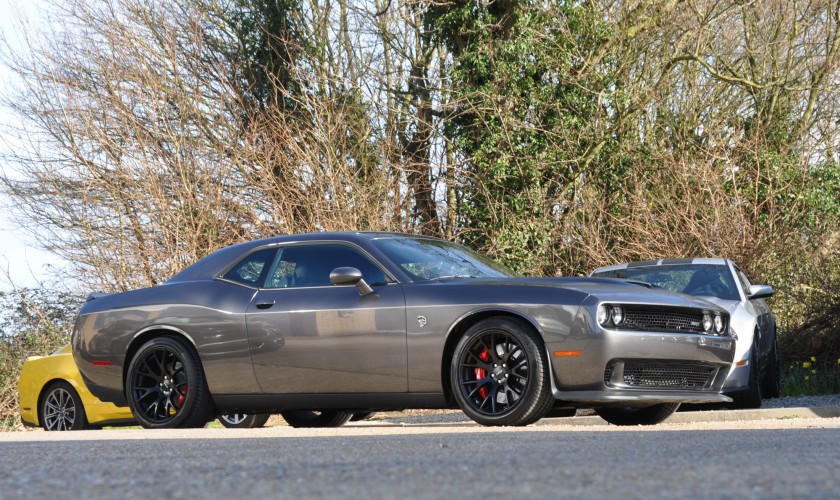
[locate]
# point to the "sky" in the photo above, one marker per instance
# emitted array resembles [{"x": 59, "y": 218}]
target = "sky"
[{"x": 20, "y": 257}]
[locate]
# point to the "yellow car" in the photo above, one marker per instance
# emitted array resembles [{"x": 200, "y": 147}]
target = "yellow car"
[{"x": 53, "y": 396}]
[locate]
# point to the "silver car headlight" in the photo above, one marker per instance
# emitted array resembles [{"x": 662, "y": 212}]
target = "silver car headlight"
[
  {"x": 707, "y": 322},
  {"x": 617, "y": 315},
  {"x": 719, "y": 326},
  {"x": 603, "y": 315}
]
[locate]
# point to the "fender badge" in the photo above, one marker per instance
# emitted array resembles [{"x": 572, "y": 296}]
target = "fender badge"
[{"x": 421, "y": 320}]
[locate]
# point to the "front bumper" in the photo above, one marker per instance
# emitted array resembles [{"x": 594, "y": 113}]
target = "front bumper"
[
  {"x": 595, "y": 376},
  {"x": 738, "y": 378}
]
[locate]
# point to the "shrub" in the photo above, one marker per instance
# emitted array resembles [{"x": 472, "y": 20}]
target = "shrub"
[{"x": 33, "y": 322}]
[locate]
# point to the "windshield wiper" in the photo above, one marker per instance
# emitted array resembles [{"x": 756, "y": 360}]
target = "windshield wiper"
[{"x": 450, "y": 276}]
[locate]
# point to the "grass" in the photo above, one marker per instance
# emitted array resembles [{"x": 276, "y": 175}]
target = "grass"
[
  {"x": 9, "y": 424},
  {"x": 812, "y": 377}
]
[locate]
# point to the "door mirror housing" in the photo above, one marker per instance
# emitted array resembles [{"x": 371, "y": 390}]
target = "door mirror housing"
[
  {"x": 759, "y": 292},
  {"x": 350, "y": 276}
]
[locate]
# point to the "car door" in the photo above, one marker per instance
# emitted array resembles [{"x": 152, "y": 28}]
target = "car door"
[{"x": 309, "y": 336}]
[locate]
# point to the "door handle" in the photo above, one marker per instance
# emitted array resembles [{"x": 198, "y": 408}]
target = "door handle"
[{"x": 264, "y": 305}]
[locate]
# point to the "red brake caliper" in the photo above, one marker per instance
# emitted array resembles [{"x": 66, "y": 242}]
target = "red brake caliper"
[
  {"x": 480, "y": 373},
  {"x": 180, "y": 401}
]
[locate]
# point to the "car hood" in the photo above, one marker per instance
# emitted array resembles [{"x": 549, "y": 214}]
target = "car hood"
[
  {"x": 729, "y": 305},
  {"x": 605, "y": 289}
]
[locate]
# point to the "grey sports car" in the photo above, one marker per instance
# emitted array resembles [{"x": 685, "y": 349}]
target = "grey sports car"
[
  {"x": 755, "y": 373},
  {"x": 319, "y": 327}
]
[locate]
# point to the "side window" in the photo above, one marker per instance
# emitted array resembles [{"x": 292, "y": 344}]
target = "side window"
[
  {"x": 253, "y": 269},
  {"x": 311, "y": 265}
]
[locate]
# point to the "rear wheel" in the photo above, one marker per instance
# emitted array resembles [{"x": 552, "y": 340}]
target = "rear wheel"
[
  {"x": 308, "y": 418},
  {"x": 165, "y": 386},
  {"x": 647, "y": 415},
  {"x": 499, "y": 373},
  {"x": 243, "y": 420},
  {"x": 61, "y": 408}
]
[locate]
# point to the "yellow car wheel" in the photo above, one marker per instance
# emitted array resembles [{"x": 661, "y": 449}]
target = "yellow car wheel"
[{"x": 61, "y": 408}]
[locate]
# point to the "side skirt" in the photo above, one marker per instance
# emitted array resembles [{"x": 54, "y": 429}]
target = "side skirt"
[{"x": 272, "y": 403}]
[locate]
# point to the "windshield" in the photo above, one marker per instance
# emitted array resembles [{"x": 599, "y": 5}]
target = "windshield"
[
  {"x": 702, "y": 280},
  {"x": 428, "y": 259}
]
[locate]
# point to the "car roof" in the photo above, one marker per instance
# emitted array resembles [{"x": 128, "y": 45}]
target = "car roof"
[
  {"x": 211, "y": 265},
  {"x": 663, "y": 262}
]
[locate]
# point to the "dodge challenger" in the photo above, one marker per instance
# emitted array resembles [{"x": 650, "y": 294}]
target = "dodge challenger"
[{"x": 322, "y": 326}]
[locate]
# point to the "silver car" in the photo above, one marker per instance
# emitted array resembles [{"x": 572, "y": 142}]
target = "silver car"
[
  {"x": 755, "y": 373},
  {"x": 320, "y": 327}
]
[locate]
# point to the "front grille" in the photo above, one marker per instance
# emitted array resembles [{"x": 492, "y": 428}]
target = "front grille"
[
  {"x": 662, "y": 321},
  {"x": 662, "y": 375}
]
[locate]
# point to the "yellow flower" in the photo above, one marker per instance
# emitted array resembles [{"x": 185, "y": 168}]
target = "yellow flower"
[
  {"x": 813, "y": 372},
  {"x": 807, "y": 378},
  {"x": 838, "y": 361},
  {"x": 814, "y": 359},
  {"x": 806, "y": 365}
]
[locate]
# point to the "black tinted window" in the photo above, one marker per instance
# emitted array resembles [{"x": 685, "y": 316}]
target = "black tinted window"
[
  {"x": 253, "y": 269},
  {"x": 311, "y": 265}
]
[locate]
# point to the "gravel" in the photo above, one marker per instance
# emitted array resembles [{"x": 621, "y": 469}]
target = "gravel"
[{"x": 803, "y": 402}]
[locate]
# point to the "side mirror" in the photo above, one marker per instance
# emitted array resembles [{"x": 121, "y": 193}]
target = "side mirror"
[
  {"x": 759, "y": 292},
  {"x": 350, "y": 276}
]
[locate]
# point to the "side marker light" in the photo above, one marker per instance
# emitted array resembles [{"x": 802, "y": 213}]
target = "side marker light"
[{"x": 567, "y": 354}]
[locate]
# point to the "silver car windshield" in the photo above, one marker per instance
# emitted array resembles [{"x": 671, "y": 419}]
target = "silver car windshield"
[
  {"x": 427, "y": 259},
  {"x": 702, "y": 280}
]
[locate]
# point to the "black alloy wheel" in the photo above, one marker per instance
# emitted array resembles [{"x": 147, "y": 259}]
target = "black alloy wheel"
[
  {"x": 61, "y": 408},
  {"x": 166, "y": 387},
  {"x": 499, "y": 374}
]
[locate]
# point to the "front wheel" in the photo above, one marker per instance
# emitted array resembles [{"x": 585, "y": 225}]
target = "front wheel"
[
  {"x": 308, "y": 418},
  {"x": 751, "y": 396},
  {"x": 243, "y": 420},
  {"x": 165, "y": 386},
  {"x": 62, "y": 409},
  {"x": 499, "y": 373},
  {"x": 647, "y": 415},
  {"x": 771, "y": 385}
]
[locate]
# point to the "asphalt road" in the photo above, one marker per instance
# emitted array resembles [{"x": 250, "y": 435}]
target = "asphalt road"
[{"x": 792, "y": 457}]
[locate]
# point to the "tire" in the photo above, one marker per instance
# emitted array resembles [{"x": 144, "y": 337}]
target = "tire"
[
  {"x": 771, "y": 383},
  {"x": 308, "y": 418},
  {"x": 364, "y": 415},
  {"x": 499, "y": 373},
  {"x": 751, "y": 396},
  {"x": 647, "y": 415},
  {"x": 61, "y": 408},
  {"x": 165, "y": 386},
  {"x": 243, "y": 420}
]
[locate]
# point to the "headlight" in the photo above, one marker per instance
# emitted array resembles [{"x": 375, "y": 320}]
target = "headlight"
[
  {"x": 719, "y": 324},
  {"x": 617, "y": 315},
  {"x": 707, "y": 322},
  {"x": 603, "y": 315}
]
